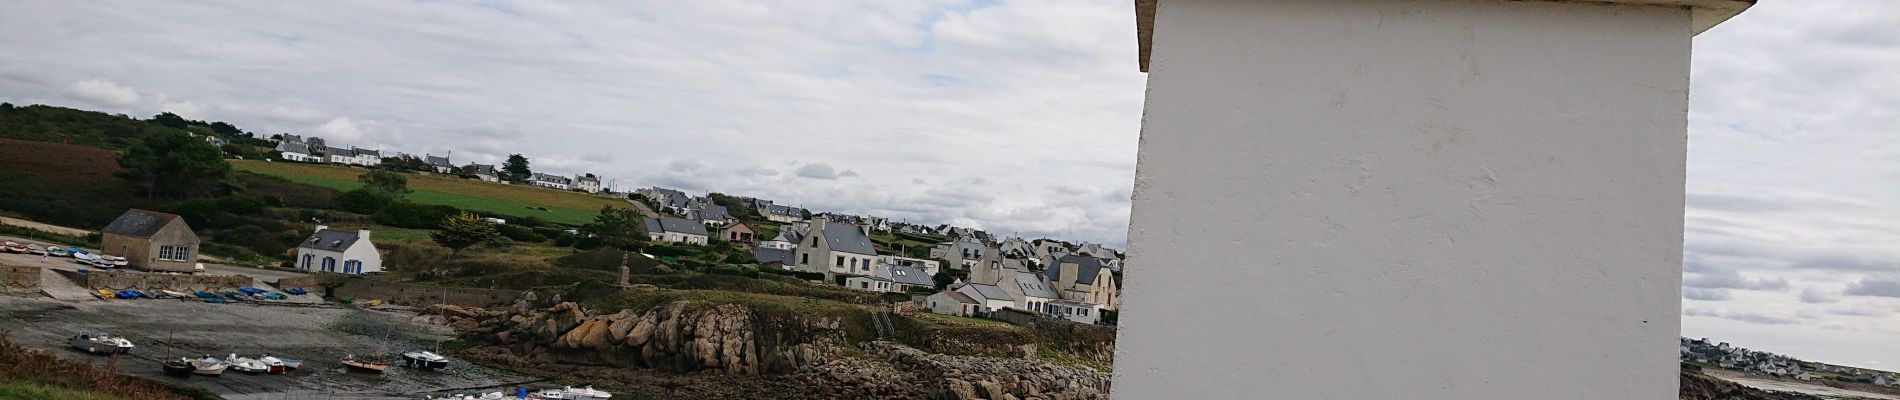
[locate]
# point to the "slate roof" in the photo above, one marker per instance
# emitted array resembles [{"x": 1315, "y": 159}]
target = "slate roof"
[
  {"x": 139, "y": 223},
  {"x": 1034, "y": 286},
  {"x": 790, "y": 236},
  {"x": 767, "y": 254},
  {"x": 960, "y": 297},
  {"x": 1087, "y": 268},
  {"x": 911, "y": 276},
  {"x": 361, "y": 152},
  {"x": 678, "y": 225},
  {"x": 330, "y": 239},
  {"x": 335, "y": 151},
  {"x": 292, "y": 139},
  {"x": 588, "y": 178},
  {"x": 294, "y": 147},
  {"x": 714, "y": 212},
  {"x": 484, "y": 169},
  {"x": 989, "y": 292},
  {"x": 785, "y": 210},
  {"x": 847, "y": 238},
  {"x": 439, "y": 161}
]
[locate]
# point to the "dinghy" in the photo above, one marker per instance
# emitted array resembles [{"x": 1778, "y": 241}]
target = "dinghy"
[
  {"x": 570, "y": 393},
  {"x": 97, "y": 344},
  {"x": 208, "y": 366},
  {"x": 178, "y": 367},
  {"x": 245, "y": 365},
  {"x": 280, "y": 365},
  {"x": 364, "y": 364},
  {"x": 424, "y": 360}
]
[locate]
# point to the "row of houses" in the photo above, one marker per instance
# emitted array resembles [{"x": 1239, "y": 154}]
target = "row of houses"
[
  {"x": 1726, "y": 356},
  {"x": 163, "y": 242},
  {"x": 296, "y": 148}
]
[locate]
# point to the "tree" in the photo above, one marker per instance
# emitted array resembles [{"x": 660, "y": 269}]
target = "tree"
[
  {"x": 389, "y": 185},
  {"x": 516, "y": 167},
  {"x": 362, "y": 201},
  {"x": 316, "y": 143},
  {"x": 463, "y": 230},
  {"x": 172, "y": 164},
  {"x": 621, "y": 228},
  {"x": 168, "y": 119}
]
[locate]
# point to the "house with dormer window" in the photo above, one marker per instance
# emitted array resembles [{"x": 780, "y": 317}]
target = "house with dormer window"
[{"x": 337, "y": 251}]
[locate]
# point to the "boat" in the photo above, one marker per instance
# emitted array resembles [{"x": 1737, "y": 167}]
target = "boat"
[
  {"x": 424, "y": 360},
  {"x": 97, "y": 344},
  {"x": 128, "y": 294},
  {"x": 178, "y": 367},
  {"x": 12, "y": 247},
  {"x": 364, "y": 364},
  {"x": 116, "y": 261},
  {"x": 174, "y": 293},
  {"x": 280, "y": 365},
  {"x": 297, "y": 291},
  {"x": 57, "y": 251},
  {"x": 208, "y": 366},
  {"x": 484, "y": 396},
  {"x": 245, "y": 365}
]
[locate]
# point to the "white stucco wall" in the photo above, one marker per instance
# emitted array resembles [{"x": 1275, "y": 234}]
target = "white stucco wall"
[{"x": 1408, "y": 200}]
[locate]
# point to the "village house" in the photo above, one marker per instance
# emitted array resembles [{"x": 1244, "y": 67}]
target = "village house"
[
  {"x": 961, "y": 253},
  {"x": 787, "y": 239},
  {"x": 1016, "y": 247},
  {"x": 354, "y": 156},
  {"x": 890, "y": 279},
  {"x": 152, "y": 241},
  {"x": 784, "y": 214},
  {"x": 953, "y": 303},
  {"x": 337, "y": 251},
  {"x": 294, "y": 151},
  {"x": 989, "y": 298},
  {"x": 929, "y": 266},
  {"x": 440, "y": 165},
  {"x": 587, "y": 183},
  {"x": 551, "y": 181},
  {"x": 736, "y": 232},
  {"x": 770, "y": 257},
  {"x": 713, "y": 214},
  {"x": 1084, "y": 279},
  {"x": 1048, "y": 250},
  {"x": 835, "y": 248},
  {"x": 484, "y": 172},
  {"x": 676, "y": 230}
]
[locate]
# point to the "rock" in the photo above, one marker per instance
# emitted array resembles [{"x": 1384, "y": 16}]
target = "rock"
[
  {"x": 992, "y": 389},
  {"x": 961, "y": 390}
]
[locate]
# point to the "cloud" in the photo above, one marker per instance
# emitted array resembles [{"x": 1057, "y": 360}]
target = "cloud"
[
  {"x": 104, "y": 92},
  {"x": 1860, "y": 311},
  {"x": 340, "y": 131},
  {"x": 1878, "y": 286},
  {"x": 1733, "y": 280},
  {"x": 1706, "y": 294},
  {"x": 816, "y": 171},
  {"x": 1743, "y": 316},
  {"x": 1816, "y": 295}
]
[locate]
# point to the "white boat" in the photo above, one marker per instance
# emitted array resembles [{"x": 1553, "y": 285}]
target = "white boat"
[
  {"x": 570, "y": 393},
  {"x": 116, "y": 261},
  {"x": 35, "y": 248},
  {"x": 102, "y": 344},
  {"x": 12, "y": 247},
  {"x": 484, "y": 396},
  {"x": 424, "y": 359},
  {"x": 245, "y": 365},
  {"x": 279, "y": 365},
  {"x": 56, "y": 251},
  {"x": 208, "y": 366}
]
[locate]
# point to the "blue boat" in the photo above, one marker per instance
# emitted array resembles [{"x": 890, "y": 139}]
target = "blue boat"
[
  {"x": 128, "y": 294},
  {"x": 297, "y": 291},
  {"x": 250, "y": 290}
]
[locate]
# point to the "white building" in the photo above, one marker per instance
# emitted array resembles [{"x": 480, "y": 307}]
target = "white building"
[
  {"x": 989, "y": 298},
  {"x": 929, "y": 266},
  {"x": 787, "y": 239},
  {"x": 587, "y": 183},
  {"x": 292, "y": 148},
  {"x": 837, "y": 249},
  {"x": 337, "y": 251},
  {"x": 353, "y": 156},
  {"x": 551, "y": 181},
  {"x": 950, "y": 302},
  {"x": 890, "y": 279},
  {"x": 676, "y": 230}
]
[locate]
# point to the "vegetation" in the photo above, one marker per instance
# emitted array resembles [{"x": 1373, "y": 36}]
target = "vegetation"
[
  {"x": 463, "y": 230},
  {"x": 385, "y": 184},
  {"x": 514, "y": 202},
  {"x": 516, "y": 168},
  {"x": 617, "y": 227},
  {"x": 34, "y": 374}
]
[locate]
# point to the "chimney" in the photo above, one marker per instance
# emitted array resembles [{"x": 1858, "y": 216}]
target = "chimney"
[
  {"x": 362, "y": 234},
  {"x": 322, "y": 227}
]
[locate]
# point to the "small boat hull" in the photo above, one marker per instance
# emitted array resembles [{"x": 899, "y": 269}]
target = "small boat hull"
[
  {"x": 423, "y": 362},
  {"x": 365, "y": 365},
  {"x": 208, "y": 367},
  {"x": 178, "y": 368}
]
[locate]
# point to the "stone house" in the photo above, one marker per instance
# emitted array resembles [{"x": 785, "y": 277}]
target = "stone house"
[
  {"x": 485, "y": 172},
  {"x": 335, "y": 251},
  {"x": 952, "y": 303},
  {"x": 152, "y": 241},
  {"x": 587, "y": 183},
  {"x": 989, "y": 297}
]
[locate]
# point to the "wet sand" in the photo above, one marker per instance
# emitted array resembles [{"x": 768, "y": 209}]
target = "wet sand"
[
  {"x": 1795, "y": 387},
  {"x": 319, "y": 335}
]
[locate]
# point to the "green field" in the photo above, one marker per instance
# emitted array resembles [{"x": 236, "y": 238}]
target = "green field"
[{"x": 519, "y": 200}]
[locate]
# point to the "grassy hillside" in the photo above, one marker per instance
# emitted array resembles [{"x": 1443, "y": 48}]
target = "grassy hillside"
[
  {"x": 528, "y": 201},
  {"x": 61, "y": 183}
]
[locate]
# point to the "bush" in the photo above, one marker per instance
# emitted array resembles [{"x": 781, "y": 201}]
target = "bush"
[
  {"x": 403, "y": 214},
  {"x": 361, "y": 201},
  {"x": 609, "y": 260}
]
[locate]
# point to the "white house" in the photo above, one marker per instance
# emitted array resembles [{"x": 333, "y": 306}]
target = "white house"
[
  {"x": 676, "y": 230},
  {"x": 337, "y": 251},
  {"x": 587, "y": 183},
  {"x": 989, "y": 298},
  {"x": 353, "y": 156},
  {"x": 952, "y": 303},
  {"x": 551, "y": 181},
  {"x": 440, "y": 165},
  {"x": 485, "y": 172},
  {"x": 787, "y": 239},
  {"x": 890, "y": 279},
  {"x": 292, "y": 148},
  {"x": 836, "y": 248},
  {"x": 929, "y": 266}
]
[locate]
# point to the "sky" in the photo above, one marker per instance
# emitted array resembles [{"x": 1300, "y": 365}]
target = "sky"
[{"x": 1018, "y": 117}]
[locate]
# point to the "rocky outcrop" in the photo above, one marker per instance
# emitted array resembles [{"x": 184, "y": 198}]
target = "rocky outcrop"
[
  {"x": 892, "y": 370},
  {"x": 676, "y": 337}
]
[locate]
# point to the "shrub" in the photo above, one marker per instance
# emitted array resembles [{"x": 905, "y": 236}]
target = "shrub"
[
  {"x": 520, "y": 233},
  {"x": 361, "y": 201},
  {"x": 403, "y": 214}
]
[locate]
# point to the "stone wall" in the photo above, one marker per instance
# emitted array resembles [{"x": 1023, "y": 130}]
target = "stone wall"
[
  {"x": 119, "y": 280},
  {"x": 363, "y": 288},
  {"x": 16, "y": 279},
  {"x": 307, "y": 282}
]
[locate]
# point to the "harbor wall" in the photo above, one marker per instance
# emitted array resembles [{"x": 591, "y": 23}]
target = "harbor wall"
[
  {"x": 15, "y": 279},
  {"x": 116, "y": 280},
  {"x": 363, "y": 289}
]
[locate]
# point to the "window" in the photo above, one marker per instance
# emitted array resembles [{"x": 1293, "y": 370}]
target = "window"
[
  {"x": 841, "y": 261},
  {"x": 174, "y": 253},
  {"x": 306, "y": 261},
  {"x": 804, "y": 258},
  {"x": 329, "y": 264}
]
